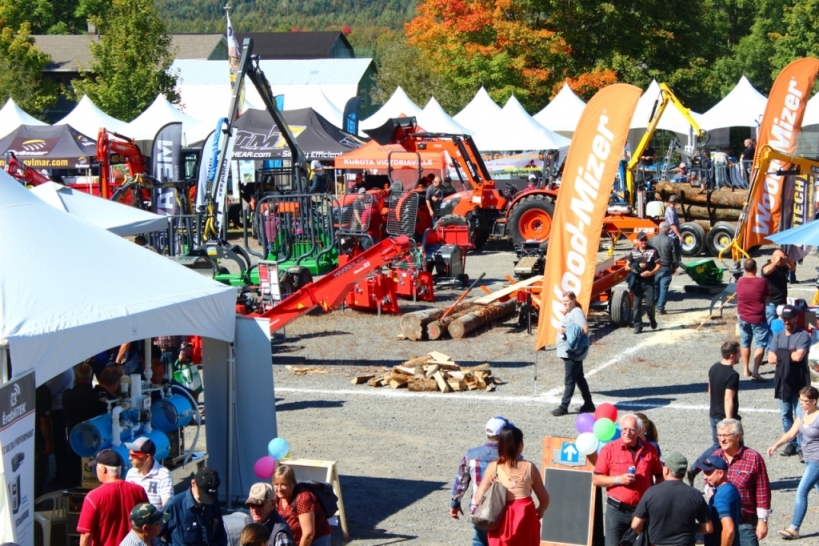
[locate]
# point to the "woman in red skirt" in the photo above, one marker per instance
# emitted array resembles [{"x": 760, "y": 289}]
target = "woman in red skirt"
[{"x": 520, "y": 524}]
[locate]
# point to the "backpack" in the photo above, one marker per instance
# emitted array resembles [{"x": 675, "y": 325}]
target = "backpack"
[{"x": 325, "y": 495}]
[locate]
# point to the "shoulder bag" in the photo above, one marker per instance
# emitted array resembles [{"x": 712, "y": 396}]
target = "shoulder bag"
[{"x": 489, "y": 513}]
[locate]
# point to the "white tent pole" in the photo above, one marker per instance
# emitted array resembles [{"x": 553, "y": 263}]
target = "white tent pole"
[
  {"x": 231, "y": 425},
  {"x": 4, "y": 360}
]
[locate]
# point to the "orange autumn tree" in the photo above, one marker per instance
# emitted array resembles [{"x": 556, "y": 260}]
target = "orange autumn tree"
[{"x": 504, "y": 45}]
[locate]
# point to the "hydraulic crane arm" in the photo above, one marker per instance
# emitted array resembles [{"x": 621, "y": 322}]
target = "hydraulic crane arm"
[
  {"x": 122, "y": 146},
  {"x": 666, "y": 96},
  {"x": 330, "y": 290},
  {"x": 22, "y": 172}
]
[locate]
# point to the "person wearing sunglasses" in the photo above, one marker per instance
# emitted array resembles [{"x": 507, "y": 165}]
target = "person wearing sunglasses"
[{"x": 808, "y": 425}]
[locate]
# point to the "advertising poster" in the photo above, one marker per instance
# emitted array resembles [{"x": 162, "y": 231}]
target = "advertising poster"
[{"x": 17, "y": 462}]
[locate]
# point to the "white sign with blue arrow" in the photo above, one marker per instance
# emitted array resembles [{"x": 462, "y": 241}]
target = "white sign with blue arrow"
[{"x": 568, "y": 455}]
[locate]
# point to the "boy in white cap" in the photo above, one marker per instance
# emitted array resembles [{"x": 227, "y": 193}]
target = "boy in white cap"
[
  {"x": 472, "y": 467},
  {"x": 147, "y": 472}
]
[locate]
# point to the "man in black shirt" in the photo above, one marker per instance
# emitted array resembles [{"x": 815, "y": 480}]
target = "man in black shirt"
[
  {"x": 676, "y": 512},
  {"x": 81, "y": 403},
  {"x": 434, "y": 196},
  {"x": 448, "y": 189},
  {"x": 776, "y": 273},
  {"x": 643, "y": 264},
  {"x": 666, "y": 251},
  {"x": 723, "y": 390}
]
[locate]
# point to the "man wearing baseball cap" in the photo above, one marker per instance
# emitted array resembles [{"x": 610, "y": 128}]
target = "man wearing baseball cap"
[
  {"x": 643, "y": 264},
  {"x": 675, "y": 511},
  {"x": 472, "y": 467},
  {"x": 262, "y": 511},
  {"x": 146, "y": 522},
  {"x": 725, "y": 504},
  {"x": 146, "y": 472},
  {"x": 106, "y": 510},
  {"x": 195, "y": 516},
  {"x": 788, "y": 351}
]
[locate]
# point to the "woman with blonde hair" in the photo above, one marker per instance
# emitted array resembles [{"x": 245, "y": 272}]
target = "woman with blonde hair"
[
  {"x": 520, "y": 525},
  {"x": 301, "y": 509}
]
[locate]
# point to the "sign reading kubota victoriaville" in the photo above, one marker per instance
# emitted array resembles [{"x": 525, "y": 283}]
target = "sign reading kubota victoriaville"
[{"x": 17, "y": 400}]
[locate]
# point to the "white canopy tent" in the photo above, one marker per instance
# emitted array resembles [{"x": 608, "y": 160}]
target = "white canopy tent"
[
  {"x": 433, "y": 118},
  {"x": 398, "y": 104},
  {"x": 515, "y": 129},
  {"x": 479, "y": 113},
  {"x": 156, "y": 116},
  {"x": 115, "y": 217},
  {"x": 563, "y": 113},
  {"x": 811, "y": 112},
  {"x": 218, "y": 109},
  {"x": 12, "y": 116},
  {"x": 672, "y": 119},
  {"x": 742, "y": 107},
  {"x": 87, "y": 118},
  {"x": 51, "y": 322},
  {"x": 312, "y": 96}
]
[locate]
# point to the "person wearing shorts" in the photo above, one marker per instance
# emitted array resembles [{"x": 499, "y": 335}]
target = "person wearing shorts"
[{"x": 752, "y": 293}]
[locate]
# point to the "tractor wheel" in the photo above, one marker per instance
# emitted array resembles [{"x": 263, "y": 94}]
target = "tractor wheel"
[
  {"x": 531, "y": 219},
  {"x": 451, "y": 220},
  {"x": 476, "y": 236},
  {"x": 286, "y": 286},
  {"x": 693, "y": 239},
  {"x": 300, "y": 275},
  {"x": 720, "y": 237},
  {"x": 620, "y": 308}
]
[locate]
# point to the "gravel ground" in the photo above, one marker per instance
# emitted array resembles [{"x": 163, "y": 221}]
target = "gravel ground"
[{"x": 398, "y": 451}]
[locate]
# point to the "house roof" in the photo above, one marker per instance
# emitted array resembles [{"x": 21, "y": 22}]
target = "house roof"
[
  {"x": 71, "y": 52},
  {"x": 294, "y": 45},
  {"x": 280, "y": 72}
]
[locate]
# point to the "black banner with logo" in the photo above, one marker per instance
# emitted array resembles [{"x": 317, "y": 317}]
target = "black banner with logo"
[{"x": 167, "y": 164}]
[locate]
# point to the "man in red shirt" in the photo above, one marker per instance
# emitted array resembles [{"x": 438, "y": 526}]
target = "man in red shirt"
[
  {"x": 752, "y": 293},
  {"x": 624, "y": 489},
  {"x": 106, "y": 511}
]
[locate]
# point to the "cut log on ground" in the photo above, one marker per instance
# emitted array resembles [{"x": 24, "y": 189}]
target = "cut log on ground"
[
  {"x": 437, "y": 328},
  {"x": 413, "y": 325},
  {"x": 485, "y": 315},
  {"x": 362, "y": 379},
  {"x": 423, "y": 385}
]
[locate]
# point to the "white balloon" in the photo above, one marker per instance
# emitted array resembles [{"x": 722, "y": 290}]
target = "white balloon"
[{"x": 587, "y": 443}]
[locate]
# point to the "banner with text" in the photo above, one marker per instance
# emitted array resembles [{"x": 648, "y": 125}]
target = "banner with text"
[
  {"x": 780, "y": 129},
  {"x": 17, "y": 399},
  {"x": 167, "y": 159},
  {"x": 581, "y": 203}
]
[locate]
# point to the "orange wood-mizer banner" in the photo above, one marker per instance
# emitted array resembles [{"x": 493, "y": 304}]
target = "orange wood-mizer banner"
[
  {"x": 588, "y": 178},
  {"x": 780, "y": 129}
]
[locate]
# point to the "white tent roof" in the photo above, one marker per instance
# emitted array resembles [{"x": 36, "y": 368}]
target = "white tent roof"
[
  {"x": 117, "y": 218},
  {"x": 433, "y": 118},
  {"x": 312, "y": 96},
  {"x": 515, "y": 129},
  {"x": 156, "y": 116},
  {"x": 209, "y": 111},
  {"x": 563, "y": 113},
  {"x": 742, "y": 107},
  {"x": 51, "y": 322},
  {"x": 479, "y": 113},
  {"x": 12, "y": 116},
  {"x": 398, "y": 104},
  {"x": 672, "y": 119},
  {"x": 811, "y": 112},
  {"x": 87, "y": 118}
]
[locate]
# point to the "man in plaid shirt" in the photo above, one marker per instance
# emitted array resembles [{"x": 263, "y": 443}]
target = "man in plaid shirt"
[
  {"x": 746, "y": 470},
  {"x": 472, "y": 468}
]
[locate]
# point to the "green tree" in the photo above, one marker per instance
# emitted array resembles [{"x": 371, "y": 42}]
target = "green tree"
[
  {"x": 45, "y": 16},
  {"x": 801, "y": 36},
  {"x": 131, "y": 60},
  {"x": 21, "y": 66}
]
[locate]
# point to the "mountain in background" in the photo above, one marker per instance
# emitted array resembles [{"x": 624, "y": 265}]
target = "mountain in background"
[{"x": 285, "y": 15}]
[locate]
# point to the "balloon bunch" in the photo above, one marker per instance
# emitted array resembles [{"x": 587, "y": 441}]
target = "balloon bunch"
[
  {"x": 278, "y": 449},
  {"x": 596, "y": 430}
]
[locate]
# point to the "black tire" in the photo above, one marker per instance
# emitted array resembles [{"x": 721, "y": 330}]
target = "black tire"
[
  {"x": 693, "y": 239},
  {"x": 477, "y": 236},
  {"x": 537, "y": 202},
  {"x": 286, "y": 286},
  {"x": 620, "y": 308},
  {"x": 451, "y": 220},
  {"x": 301, "y": 276},
  {"x": 720, "y": 237}
]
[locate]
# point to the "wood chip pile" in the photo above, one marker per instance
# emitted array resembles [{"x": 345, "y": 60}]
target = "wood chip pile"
[{"x": 433, "y": 372}]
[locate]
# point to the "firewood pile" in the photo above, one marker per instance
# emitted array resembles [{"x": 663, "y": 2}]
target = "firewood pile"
[
  {"x": 466, "y": 317},
  {"x": 433, "y": 372}
]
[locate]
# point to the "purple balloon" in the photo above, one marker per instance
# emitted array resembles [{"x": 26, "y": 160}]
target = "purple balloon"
[{"x": 584, "y": 422}]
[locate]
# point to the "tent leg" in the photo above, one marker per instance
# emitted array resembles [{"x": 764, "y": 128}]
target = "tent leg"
[
  {"x": 4, "y": 364},
  {"x": 231, "y": 424}
]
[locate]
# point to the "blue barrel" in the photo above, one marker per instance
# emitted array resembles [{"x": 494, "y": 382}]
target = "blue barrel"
[
  {"x": 90, "y": 437},
  {"x": 160, "y": 440},
  {"x": 171, "y": 413}
]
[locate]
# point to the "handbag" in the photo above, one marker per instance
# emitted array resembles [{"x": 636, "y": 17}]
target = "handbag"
[{"x": 489, "y": 513}]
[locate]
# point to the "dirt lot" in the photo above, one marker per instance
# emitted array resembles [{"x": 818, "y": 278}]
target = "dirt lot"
[{"x": 398, "y": 451}]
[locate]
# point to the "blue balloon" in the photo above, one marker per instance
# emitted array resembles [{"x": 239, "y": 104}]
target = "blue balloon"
[
  {"x": 278, "y": 448},
  {"x": 777, "y": 326},
  {"x": 617, "y": 433}
]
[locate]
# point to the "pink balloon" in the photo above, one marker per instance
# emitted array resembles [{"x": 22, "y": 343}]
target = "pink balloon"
[{"x": 265, "y": 467}]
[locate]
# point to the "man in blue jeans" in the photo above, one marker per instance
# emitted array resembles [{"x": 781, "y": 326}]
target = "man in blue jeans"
[
  {"x": 789, "y": 353},
  {"x": 472, "y": 467},
  {"x": 776, "y": 273},
  {"x": 666, "y": 249}
]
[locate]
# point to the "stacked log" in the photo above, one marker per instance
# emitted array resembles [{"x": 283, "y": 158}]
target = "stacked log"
[
  {"x": 431, "y": 373},
  {"x": 697, "y": 204},
  {"x": 467, "y": 317}
]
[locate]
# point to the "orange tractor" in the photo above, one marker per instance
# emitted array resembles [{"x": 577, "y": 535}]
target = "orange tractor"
[{"x": 521, "y": 216}]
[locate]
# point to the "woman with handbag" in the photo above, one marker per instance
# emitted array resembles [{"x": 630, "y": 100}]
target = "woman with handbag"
[
  {"x": 519, "y": 525},
  {"x": 573, "y": 346}
]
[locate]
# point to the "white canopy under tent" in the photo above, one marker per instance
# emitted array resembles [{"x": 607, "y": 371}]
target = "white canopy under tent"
[
  {"x": 157, "y": 115},
  {"x": 743, "y": 106},
  {"x": 563, "y": 113},
  {"x": 12, "y": 117},
  {"x": 87, "y": 118},
  {"x": 479, "y": 113},
  {"x": 434, "y": 119},
  {"x": 398, "y": 104},
  {"x": 514, "y": 129}
]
